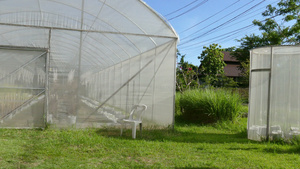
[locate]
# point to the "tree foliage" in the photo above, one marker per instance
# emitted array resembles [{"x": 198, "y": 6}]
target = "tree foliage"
[
  {"x": 212, "y": 64},
  {"x": 247, "y": 43},
  {"x": 283, "y": 32}
]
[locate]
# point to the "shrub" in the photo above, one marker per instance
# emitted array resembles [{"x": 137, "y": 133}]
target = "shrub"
[{"x": 210, "y": 105}]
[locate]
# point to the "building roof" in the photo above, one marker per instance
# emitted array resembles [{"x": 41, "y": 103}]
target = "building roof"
[
  {"x": 228, "y": 57},
  {"x": 232, "y": 68}
]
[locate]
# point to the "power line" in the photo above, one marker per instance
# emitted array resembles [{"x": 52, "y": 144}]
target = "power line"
[
  {"x": 195, "y": 7},
  {"x": 229, "y": 35},
  {"x": 217, "y": 20},
  {"x": 219, "y": 37},
  {"x": 225, "y": 23},
  {"x": 210, "y": 17},
  {"x": 223, "y": 10},
  {"x": 222, "y": 40},
  {"x": 181, "y": 8},
  {"x": 234, "y": 35},
  {"x": 233, "y": 24}
]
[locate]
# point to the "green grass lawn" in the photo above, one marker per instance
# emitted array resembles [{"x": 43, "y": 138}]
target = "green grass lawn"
[{"x": 214, "y": 146}]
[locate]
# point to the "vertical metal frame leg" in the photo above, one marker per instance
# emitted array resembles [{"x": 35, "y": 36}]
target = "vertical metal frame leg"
[
  {"x": 46, "y": 108},
  {"x": 269, "y": 97}
]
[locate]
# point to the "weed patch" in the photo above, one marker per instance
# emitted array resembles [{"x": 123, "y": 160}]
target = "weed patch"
[{"x": 210, "y": 105}]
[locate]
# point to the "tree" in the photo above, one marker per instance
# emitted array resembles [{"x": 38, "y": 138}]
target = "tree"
[
  {"x": 186, "y": 74},
  {"x": 212, "y": 64},
  {"x": 286, "y": 32},
  {"x": 275, "y": 33},
  {"x": 247, "y": 43},
  {"x": 230, "y": 49},
  {"x": 242, "y": 54}
]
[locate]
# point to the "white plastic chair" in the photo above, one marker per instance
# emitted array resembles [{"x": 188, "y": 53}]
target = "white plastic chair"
[{"x": 134, "y": 118}]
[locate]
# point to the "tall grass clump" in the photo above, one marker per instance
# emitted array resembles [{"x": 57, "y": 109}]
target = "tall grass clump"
[{"x": 210, "y": 105}]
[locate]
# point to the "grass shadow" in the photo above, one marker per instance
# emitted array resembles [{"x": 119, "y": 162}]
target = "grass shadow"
[
  {"x": 163, "y": 135},
  {"x": 278, "y": 150},
  {"x": 195, "y": 168},
  {"x": 169, "y": 135}
]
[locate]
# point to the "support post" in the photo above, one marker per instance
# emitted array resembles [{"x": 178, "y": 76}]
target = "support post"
[
  {"x": 47, "y": 118},
  {"x": 269, "y": 97}
]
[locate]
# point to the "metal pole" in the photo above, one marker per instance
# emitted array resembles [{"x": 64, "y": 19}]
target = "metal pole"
[
  {"x": 127, "y": 98},
  {"x": 249, "y": 98},
  {"x": 139, "y": 85},
  {"x": 79, "y": 63},
  {"x": 269, "y": 97},
  {"x": 46, "y": 109},
  {"x": 174, "y": 88},
  {"x": 114, "y": 84},
  {"x": 88, "y": 31},
  {"x": 133, "y": 90}
]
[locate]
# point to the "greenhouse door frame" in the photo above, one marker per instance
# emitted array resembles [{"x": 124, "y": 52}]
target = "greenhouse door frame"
[
  {"x": 44, "y": 52},
  {"x": 269, "y": 70}
]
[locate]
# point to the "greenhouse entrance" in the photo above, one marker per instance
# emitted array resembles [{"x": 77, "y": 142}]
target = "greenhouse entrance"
[{"x": 22, "y": 87}]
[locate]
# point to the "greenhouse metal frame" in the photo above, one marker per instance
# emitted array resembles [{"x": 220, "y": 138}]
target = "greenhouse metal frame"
[
  {"x": 84, "y": 63},
  {"x": 274, "y": 97}
]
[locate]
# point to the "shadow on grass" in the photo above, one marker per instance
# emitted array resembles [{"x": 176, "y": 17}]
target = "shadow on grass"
[
  {"x": 164, "y": 135},
  {"x": 276, "y": 150},
  {"x": 169, "y": 135},
  {"x": 195, "y": 168}
]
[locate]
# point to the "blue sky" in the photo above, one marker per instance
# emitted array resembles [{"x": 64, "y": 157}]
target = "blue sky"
[{"x": 203, "y": 22}]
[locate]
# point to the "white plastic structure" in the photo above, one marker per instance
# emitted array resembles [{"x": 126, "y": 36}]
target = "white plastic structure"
[
  {"x": 274, "y": 109},
  {"x": 84, "y": 63},
  {"x": 135, "y": 118}
]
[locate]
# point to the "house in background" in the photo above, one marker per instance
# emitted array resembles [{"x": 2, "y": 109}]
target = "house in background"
[{"x": 232, "y": 66}]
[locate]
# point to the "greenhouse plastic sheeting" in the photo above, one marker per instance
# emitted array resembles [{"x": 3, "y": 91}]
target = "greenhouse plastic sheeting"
[
  {"x": 274, "y": 111},
  {"x": 84, "y": 63}
]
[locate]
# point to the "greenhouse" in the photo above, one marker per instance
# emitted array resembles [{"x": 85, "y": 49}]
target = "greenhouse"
[
  {"x": 84, "y": 63},
  {"x": 274, "y": 111}
]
